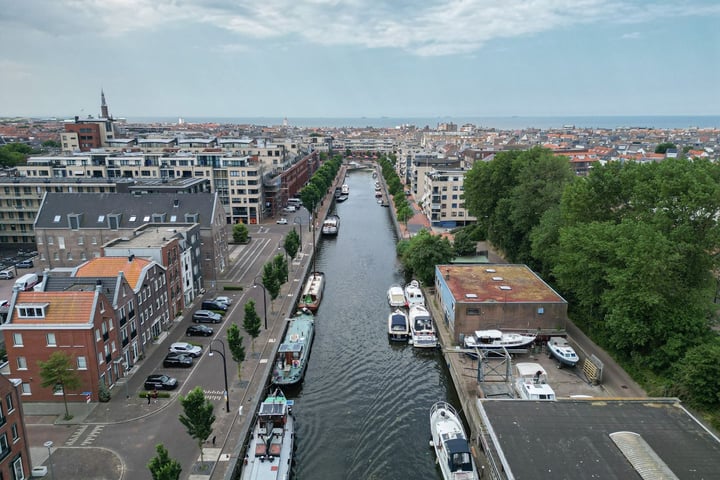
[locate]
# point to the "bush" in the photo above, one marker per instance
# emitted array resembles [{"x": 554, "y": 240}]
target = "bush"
[{"x": 104, "y": 393}]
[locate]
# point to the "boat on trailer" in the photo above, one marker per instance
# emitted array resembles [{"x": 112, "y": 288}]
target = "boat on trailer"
[
  {"x": 560, "y": 350},
  {"x": 294, "y": 351},
  {"x": 270, "y": 450},
  {"x": 495, "y": 339},
  {"x": 312, "y": 292},
  {"x": 398, "y": 326},
  {"x": 531, "y": 382},
  {"x": 452, "y": 448}
]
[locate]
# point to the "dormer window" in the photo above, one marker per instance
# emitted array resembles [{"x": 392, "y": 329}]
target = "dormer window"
[
  {"x": 191, "y": 217},
  {"x": 31, "y": 310},
  {"x": 114, "y": 221},
  {"x": 158, "y": 217},
  {"x": 74, "y": 221}
]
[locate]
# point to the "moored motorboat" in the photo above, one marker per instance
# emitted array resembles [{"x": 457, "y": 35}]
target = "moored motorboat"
[
  {"x": 294, "y": 351},
  {"x": 398, "y": 326},
  {"x": 345, "y": 189},
  {"x": 452, "y": 448},
  {"x": 531, "y": 382},
  {"x": 342, "y": 198},
  {"x": 312, "y": 292},
  {"x": 495, "y": 339},
  {"x": 422, "y": 330},
  {"x": 560, "y": 350},
  {"x": 270, "y": 450},
  {"x": 331, "y": 225},
  {"x": 396, "y": 296},
  {"x": 413, "y": 294},
  {"x": 338, "y": 192}
]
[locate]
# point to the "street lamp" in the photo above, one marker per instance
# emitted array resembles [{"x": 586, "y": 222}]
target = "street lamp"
[
  {"x": 222, "y": 354},
  {"x": 49, "y": 445},
  {"x": 298, "y": 221},
  {"x": 256, "y": 284}
]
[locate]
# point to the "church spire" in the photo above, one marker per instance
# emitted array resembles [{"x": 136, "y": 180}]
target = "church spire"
[{"x": 103, "y": 105}]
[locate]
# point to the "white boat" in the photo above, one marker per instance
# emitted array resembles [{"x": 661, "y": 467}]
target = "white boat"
[
  {"x": 345, "y": 189},
  {"x": 398, "y": 326},
  {"x": 312, "y": 292},
  {"x": 269, "y": 453},
  {"x": 560, "y": 350},
  {"x": 413, "y": 294},
  {"x": 531, "y": 382},
  {"x": 396, "y": 296},
  {"x": 331, "y": 225},
  {"x": 490, "y": 339},
  {"x": 422, "y": 331},
  {"x": 452, "y": 448}
]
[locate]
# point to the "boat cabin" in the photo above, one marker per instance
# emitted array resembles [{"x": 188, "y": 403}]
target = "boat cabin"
[
  {"x": 459, "y": 459},
  {"x": 531, "y": 383},
  {"x": 423, "y": 324},
  {"x": 272, "y": 418},
  {"x": 289, "y": 354}
]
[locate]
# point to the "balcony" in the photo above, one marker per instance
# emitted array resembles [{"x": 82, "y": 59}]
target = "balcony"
[{"x": 123, "y": 321}]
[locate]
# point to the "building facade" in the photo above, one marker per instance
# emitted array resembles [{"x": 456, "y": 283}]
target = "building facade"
[{"x": 15, "y": 459}]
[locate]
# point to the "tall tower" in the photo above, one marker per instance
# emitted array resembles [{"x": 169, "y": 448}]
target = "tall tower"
[{"x": 103, "y": 105}]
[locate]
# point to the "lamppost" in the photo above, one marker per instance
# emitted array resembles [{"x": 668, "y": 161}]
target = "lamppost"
[
  {"x": 49, "y": 445},
  {"x": 256, "y": 284},
  {"x": 222, "y": 354},
  {"x": 298, "y": 221}
]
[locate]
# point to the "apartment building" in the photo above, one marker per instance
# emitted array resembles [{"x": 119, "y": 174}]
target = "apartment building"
[
  {"x": 14, "y": 447},
  {"x": 75, "y": 227},
  {"x": 79, "y": 323},
  {"x": 443, "y": 200}
]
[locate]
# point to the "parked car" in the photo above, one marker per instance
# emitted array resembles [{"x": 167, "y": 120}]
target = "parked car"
[
  {"x": 6, "y": 274},
  {"x": 27, "y": 263},
  {"x": 289, "y": 209},
  {"x": 225, "y": 300},
  {"x": 174, "y": 359},
  {"x": 160, "y": 381},
  {"x": 206, "y": 316},
  {"x": 186, "y": 348},
  {"x": 282, "y": 221},
  {"x": 199, "y": 331},
  {"x": 213, "y": 305}
]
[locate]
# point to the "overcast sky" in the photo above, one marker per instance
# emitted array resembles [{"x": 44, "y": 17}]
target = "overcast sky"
[{"x": 352, "y": 58}]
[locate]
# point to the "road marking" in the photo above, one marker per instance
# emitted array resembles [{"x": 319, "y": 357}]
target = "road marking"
[
  {"x": 74, "y": 437},
  {"x": 97, "y": 430}
]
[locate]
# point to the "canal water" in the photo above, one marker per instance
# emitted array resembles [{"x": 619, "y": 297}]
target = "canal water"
[{"x": 362, "y": 411}]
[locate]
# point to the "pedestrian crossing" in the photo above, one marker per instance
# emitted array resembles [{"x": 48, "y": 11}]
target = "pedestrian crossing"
[
  {"x": 86, "y": 433},
  {"x": 214, "y": 394}
]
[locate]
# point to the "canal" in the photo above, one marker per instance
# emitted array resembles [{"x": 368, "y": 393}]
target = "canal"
[{"x": 363, "y": 409}]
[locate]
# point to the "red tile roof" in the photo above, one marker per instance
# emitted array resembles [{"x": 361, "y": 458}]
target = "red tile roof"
[
  {"x": 110, "y": 266},
  {"x": 62, "y": 307}
]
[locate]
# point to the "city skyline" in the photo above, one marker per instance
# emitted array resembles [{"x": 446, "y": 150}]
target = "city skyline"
[{"x": 364, "y": 58}]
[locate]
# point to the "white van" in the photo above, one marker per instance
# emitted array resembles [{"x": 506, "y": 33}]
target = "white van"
[{"x": 27, "y": 281}]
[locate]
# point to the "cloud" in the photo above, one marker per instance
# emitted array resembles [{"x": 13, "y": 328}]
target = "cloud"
[
  {"x": 630, "y": 35},
  {"x": 428, "y": 28}
]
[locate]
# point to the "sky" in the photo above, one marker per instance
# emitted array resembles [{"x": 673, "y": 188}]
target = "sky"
[{"x": 359, "y": 58}]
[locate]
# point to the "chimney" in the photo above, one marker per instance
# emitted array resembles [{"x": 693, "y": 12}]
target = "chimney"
[
  {"x": 131, "y": 257},
  {"x": 176, "y": 203},
  {"x": 447, "y": 274}
]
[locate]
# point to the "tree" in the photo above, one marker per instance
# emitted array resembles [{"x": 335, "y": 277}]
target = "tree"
[
  {"x": 280, "y": 265},
  {"x": 235, "y": 344},
  {"x": 270, "y": 281},
  {"x": 697, "y": 375},
  {"x": 240, "y": 233},
  {"x": 198, "y": 416},
  {"x": 292, "y": 243},
  {"x": 663, "y": 147},
  {"x": 251, "y": 323},
  {"x": 51, "y": 144},
  {"x": 463, "y": 243},
  {"x": 162, "y": 467},
  {"x": 57, "y": 372},
  {"x": 421, "y": 253}
]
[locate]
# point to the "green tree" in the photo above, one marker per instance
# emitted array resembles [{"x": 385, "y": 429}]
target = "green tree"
[
  {"x": 663, "y": 147},
  {"x": 240, "y": 233},
  {"x": 162, "y": 467},
  {"x": 697, "y": 375},
  {"x": 463, "y": 243},
  {"x": 57, "y": 372},
  {"x": 280, "y": 265},
  {"x": 251, "y": 322},
  {"x": 421, "y": 253},
  {"x": 235, "y": 344},
  {"x": 292, "y": 243},
  {"x": 51, "y": 144},
  {"x": 270, "y": 281},
  {"x": 198, "y": 416}
]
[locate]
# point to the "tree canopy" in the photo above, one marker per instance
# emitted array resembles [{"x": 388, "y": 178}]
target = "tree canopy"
[
  {"x": 58, "y": 372},
  {"x": 198, "y": 416},
  {"x": 162, "y": 467}
]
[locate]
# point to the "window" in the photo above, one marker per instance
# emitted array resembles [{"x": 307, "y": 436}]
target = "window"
[
  {"x": 4, "y": 446},
  {"x": 58, "y": 389},
  {"x": 18, "y": 469},
  {"x": 57, "y": 218},
  {"x": 81, "y": 363},
  {"x": 472, "y": 312},
  {"x": 17, "y": 340},
  {"x": 26, "y": 389},
  {"x": 81, "y": 240},
  {"x": 15, "y": 434},
  {"x": 51, "y": 340},
  {"x": 21, "y": 363},
  {"x": 9, "y": 402},
  {"x": 61, "y": 243}
]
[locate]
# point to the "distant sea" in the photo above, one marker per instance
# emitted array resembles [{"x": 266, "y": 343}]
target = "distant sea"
[{"x": 500, "y": 123}]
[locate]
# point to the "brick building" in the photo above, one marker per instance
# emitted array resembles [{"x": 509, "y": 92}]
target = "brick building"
[{"x": 14, "y": 447}]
